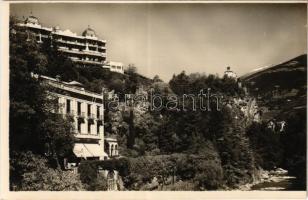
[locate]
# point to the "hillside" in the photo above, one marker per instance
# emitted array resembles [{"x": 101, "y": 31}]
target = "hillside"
[{"x": 280, "y": 89}]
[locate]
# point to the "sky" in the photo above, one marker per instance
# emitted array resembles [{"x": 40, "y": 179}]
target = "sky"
[{"x": 165, "y": 39}]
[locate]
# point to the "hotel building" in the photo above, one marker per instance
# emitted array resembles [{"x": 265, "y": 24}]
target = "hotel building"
[
  {"x": 86, "y": 49},
  {"x": 86, "y": 111}
]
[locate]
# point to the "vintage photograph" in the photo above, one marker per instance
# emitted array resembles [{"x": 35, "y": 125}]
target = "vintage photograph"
[{"x": 157, "y": 96}]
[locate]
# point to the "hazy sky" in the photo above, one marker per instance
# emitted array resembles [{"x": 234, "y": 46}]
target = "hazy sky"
[{"x": 165, "y": 39}]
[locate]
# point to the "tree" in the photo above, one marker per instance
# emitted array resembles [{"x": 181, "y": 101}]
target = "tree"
[
  {"x": 294, "y": 145},
  {"x": 58, "y": 138},
  {"x": 157, "y": 79},
  {"x": 34, "y": 127},
  {"x": 34, "y": 174},
  {"x": 266, "y": 145},
  {"x": 132, "y": 81},
  {"x": 180, "y": 84}
]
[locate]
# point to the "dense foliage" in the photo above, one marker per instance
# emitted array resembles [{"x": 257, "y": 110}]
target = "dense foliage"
[
  {"x": 191, "y": 148},
  {"x": 34, "y": 128},
  {"x": 32, "y": 172},
  {"x": 294, "y": 145},
  {"x": 158, "y": 172}
]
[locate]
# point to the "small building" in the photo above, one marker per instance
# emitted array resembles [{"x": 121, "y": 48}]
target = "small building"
[
  {"x": 114, "y": 66},
  {"x": 229, "y": 73}
]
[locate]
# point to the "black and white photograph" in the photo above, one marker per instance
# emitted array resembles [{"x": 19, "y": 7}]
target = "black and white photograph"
[{"x": 145, "y": 96}]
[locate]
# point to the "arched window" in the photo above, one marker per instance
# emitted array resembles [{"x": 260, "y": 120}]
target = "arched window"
[
  {"x": 111, "y": 150},
  {"x": 116, "y": 150}
]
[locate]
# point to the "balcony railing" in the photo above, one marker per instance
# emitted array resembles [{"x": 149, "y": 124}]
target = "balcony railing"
[
  {"x": 70, "y": 112},
  {"x": 91, "y": 116},
  {"x": 100, "y": 120},
  {"x": 86, "y": 136},
  {"x": 81, "y": 114},
  {"x": 100, "y": 117}
]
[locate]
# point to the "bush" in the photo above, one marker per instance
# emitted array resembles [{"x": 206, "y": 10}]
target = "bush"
[
  {"x": 209, "y": 176},
  {"x": 98, "y": 184},
  {"x": 181, "y": 186},
  {"x": 30, "y": 172},
  {"x": 139, "y": 173},
  {"x": 94, "y": 181},
  {"x": 206, "y": 173}
]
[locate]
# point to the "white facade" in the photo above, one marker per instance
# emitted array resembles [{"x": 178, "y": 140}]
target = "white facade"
[
  {"x": 114, "y": 66},
  {"x": 230, "y": 73},
  {"x": 86, "y": 110},
  {"x": 86, "y": 49}
]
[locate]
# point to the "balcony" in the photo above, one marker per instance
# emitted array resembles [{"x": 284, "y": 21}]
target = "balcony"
[
  {"x": 83, "y": 52},
  {"x": 81, "y": 115},
  {"x": 87, "y": 62},
  {"x": 84, "y": 136},
  {"x": 91, "y": 118},
  {"x": 70, "y": 113},
  {"x": 100, "y": 120},
  {"x": 71, "y": 42}
]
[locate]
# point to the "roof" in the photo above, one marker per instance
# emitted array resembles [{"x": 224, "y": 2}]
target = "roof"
[
  {"x": 74, "y": 83},
  {"x": 32, "y": 19},
  {"x": 84, "y": 150},
  {"x": 89, "y": 33}
]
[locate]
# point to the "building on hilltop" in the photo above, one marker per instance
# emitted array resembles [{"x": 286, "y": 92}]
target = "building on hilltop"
[
  {"x": 230, "y": 73},
  {"x": 86, "y": 111},
  {"x": 85, "y": 50},
  {"x": 114, "y": 66}
]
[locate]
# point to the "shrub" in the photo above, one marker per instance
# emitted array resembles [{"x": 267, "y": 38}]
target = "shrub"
[
  {"x": 210, "y": 177},
  {"x": 30, "y": 172},
  {"x": 98, "y": 184},
  {"x": 207, "y": 173}
]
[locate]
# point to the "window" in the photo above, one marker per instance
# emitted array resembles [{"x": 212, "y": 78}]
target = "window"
[
  {"x": 89, "y": 110},
  {"x": 97, "y": 128},
  {"x": 79, "y": 108},
  {"x": 89, "y": 127},
  {"x": 112, "y": 151},
  {"x": 79, "y": 126},
  {"x": 68, "y": 106},
  {"x": 116, "y": 150},
  {"x": 98, "y": 112}
]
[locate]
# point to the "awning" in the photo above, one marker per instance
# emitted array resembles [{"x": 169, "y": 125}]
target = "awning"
[{"x": 88, "y": 150}]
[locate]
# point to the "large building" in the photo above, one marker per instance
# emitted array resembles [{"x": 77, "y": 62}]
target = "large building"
[
  {"x": 86, "y": 111},
  {"x": 85, "y": 49}
]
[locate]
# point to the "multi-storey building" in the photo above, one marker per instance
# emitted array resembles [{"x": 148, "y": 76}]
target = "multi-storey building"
[
  {"x": 86, "y": 49},
  {"x": 86, "y": 110}
]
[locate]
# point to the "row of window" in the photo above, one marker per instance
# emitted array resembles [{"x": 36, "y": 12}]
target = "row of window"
[
  {"x": 89, "y": 127},
  {"x": 79, "y": 113}
]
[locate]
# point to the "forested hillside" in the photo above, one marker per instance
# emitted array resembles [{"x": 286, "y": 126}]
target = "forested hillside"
[{"x": 282, "y": 91}]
